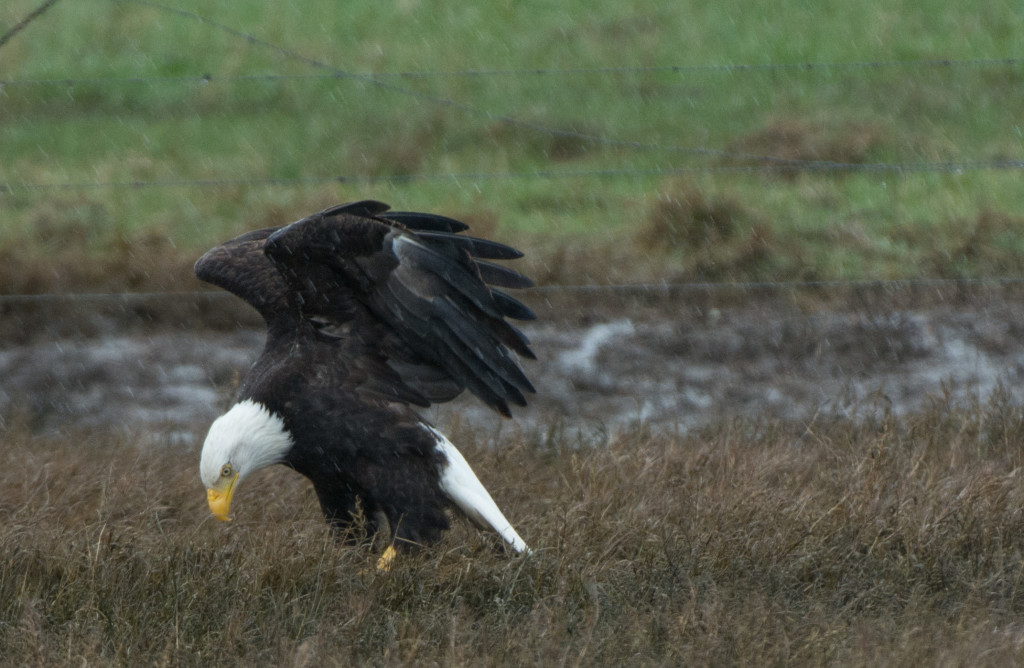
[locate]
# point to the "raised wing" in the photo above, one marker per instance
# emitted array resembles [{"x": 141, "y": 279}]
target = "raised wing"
[
  {"x": 241, "y": 267},
  {"x": 407, "y": 284}
]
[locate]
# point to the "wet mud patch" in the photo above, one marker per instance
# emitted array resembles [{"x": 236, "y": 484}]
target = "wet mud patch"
[{"x": 666, "y": 365}]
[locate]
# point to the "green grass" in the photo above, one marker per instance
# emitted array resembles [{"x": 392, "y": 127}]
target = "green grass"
[
  {"x": 395, "y": 139},
  {"x": 897, "y": 541}
]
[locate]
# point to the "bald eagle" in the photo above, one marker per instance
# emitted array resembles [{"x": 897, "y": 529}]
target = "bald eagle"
[{"x": 369, "y": 313}]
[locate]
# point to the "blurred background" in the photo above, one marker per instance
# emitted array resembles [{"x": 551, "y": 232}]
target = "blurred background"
[{"x": 728, "y": 207}]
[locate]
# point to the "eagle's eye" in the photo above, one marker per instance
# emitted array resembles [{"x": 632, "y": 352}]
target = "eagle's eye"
[{"x": 225, "y": 471}]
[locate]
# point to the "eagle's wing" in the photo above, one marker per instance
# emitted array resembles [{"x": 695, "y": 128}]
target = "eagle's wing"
[
  {"x": 415, "y": 290},
  {"x": 241, "y": 267}
]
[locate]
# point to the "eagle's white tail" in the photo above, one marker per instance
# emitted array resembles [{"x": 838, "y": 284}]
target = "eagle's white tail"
[{"x": 461, "y": 485}]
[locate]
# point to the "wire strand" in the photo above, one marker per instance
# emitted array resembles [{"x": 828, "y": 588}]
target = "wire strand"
[
  {"x": 625, "y": 288},
  {"x": 773, "y": 166},
  {"x": 524, "y": 72},
  {"x": 21, "y": 25}
]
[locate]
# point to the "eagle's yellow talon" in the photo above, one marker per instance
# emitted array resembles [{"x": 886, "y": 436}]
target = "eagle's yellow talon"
[{"x": 386, "y": 559}]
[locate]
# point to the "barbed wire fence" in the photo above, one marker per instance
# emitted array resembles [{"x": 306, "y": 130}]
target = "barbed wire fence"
[{"x": 392, "y": 82}]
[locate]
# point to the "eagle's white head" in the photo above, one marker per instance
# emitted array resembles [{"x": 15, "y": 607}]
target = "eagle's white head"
[{"x": 245, "y": 439}]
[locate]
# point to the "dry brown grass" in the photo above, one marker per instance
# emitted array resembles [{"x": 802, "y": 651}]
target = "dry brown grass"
[
  {"x": 981, "y": 240},
  {"x": 713, "y": 237},
  {"x": 802, "y": 139},
  {"x": 894, "y": 542},
  {"x": 72, "y": 245}
]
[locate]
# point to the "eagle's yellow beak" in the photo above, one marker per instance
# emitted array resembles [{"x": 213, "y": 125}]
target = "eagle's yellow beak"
[{"x": 219, "y": 498}]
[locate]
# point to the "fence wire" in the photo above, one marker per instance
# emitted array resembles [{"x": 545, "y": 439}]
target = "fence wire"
[
  {"x": 776, "y": 165},
  {"x": 662, "y": 288},
  {"x": 722, "y": 68}
]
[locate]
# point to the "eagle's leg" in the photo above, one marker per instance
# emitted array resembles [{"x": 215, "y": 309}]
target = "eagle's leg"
[{"x": 348, "y": 516}]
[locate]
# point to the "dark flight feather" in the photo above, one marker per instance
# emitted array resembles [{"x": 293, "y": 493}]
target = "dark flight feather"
[
  {"x": 366, "y": 208},
  {"x": 496, "y": 274},
  {"x": 427, "y": 222},
  {"x": 513, "y": 308},
  {"x": 491, "y": 250}
]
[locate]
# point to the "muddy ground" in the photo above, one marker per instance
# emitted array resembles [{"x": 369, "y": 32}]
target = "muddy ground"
[{"x": 164, "y": 367}]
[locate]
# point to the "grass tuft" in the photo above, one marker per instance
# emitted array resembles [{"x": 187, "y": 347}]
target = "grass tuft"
[
  {"x": 713, "y": 236},
  {"x": 805, "y": 140}
]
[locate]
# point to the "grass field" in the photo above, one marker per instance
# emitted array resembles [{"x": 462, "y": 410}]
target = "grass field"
[
  {"x": 613, "y": 142},
  {"x": 230, "y": 132},
  {"x": 897, "y": 542}
]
